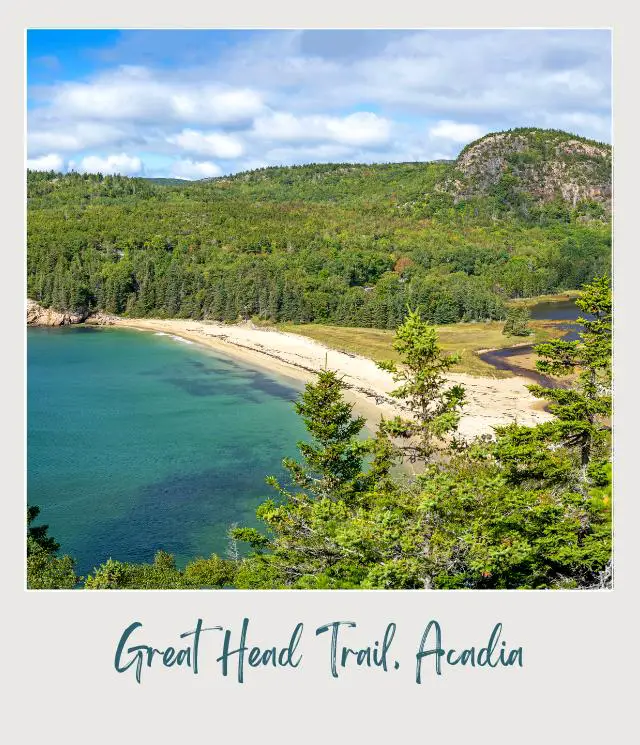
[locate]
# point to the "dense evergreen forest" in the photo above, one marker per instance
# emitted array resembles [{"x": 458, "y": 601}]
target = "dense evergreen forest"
[{"x": 344, "y": 244}]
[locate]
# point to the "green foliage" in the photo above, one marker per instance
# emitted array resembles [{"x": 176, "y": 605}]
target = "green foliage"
[
  {"x": 333, "y": 462},
  {"x": 112, "y": 575},
  {"x": 48, "y": 572},
  {"x": 517, "y": 323},
  {"x": 526, "y": 510},
  {"x": 582, "y": 407},
  {"x": 526, "y": 457},
  {"x": 540, "y": 141},
  {"x": 582, "y": 411},
  {"x": 209, "y": 573},
  {"x": 162, "y": 574},
  {"x": 483, "y": 532},
  {"x": 39, "y": 532},
  {"x": 331, "y": 481},
  {"x": 514, "y": 513},
  {"x": 45, "y": 570},
  {"x": 434, "y": 408},
  {"x": 345, "y": 244}
]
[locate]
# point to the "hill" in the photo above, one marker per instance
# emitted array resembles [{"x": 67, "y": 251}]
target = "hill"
[
  {"x": 517, "y": 214},
  {"x": 508, "y": 169},
  {"x": 535, "y": 166}
]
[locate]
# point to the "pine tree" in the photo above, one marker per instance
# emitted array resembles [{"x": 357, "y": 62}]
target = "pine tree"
[
  {"x": 333, "y": 462},
  {"x": 583, "y": 408},
  {"x": 435, "y": 409},
  {"x": 39, "y": 533},
  {"x": 45, "y": 570},
  {"x": 329, "y": 484}
]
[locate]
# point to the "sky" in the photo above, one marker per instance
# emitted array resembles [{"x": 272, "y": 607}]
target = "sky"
[{"x": 194, "y": 104}]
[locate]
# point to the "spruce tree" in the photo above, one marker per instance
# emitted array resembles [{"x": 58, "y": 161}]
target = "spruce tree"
[
  {"x": 39, "y": 533},
  {"x": 329, "y": 483},
  {"x": 45, "y": 570},
  {"x": 434, "y": 408},
  {"x": 583, "y": 408},
  {"x": 333, "y": 462}
]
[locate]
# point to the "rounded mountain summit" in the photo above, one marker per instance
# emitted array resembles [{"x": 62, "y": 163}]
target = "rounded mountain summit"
[{"x": 534, "y": 166}]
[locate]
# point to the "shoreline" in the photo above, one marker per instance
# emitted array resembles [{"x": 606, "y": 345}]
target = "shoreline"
[
  {"x": 368, "y": 403},
  {"x": 490, "y": 401}
]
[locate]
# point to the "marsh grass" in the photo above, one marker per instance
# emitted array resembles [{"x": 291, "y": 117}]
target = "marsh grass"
[{"x": 464, "y": 338}]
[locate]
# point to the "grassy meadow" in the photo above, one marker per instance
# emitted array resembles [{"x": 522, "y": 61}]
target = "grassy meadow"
[{"x": 464, "y": 338}]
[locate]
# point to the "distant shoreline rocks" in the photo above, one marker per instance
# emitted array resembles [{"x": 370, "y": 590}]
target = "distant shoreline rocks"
[{"x": 37, "y": 315}]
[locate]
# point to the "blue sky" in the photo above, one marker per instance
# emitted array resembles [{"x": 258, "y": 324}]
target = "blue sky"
[{"x": 193, "y": 104}]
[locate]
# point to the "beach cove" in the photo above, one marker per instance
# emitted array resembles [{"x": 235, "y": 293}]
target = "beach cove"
[
  {"x": 148, "y": 434},
  {"x": 491, "y": 402}
]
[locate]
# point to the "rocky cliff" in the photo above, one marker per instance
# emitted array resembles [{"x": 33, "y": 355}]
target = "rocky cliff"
[
  {"x": 39, "y": 316},
  {"x": 541, "y": 165}
]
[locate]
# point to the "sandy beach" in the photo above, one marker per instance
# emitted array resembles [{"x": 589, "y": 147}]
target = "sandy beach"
[{"x": 490, "y": 401}]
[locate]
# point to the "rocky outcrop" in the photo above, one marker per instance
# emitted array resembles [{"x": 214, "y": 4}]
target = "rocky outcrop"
[
  {"x": 101, "y": 319},
  {"x": 544, "y": 164},
  {"x": 39, "y": 316}
]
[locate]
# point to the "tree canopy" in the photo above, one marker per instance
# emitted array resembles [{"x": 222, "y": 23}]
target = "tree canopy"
[{"x": 344, "y": 244}]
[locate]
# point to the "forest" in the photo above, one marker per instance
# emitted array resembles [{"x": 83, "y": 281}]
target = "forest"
[
  {"x": 530, "y": 508},
  {"x": 349, "y": 245}
]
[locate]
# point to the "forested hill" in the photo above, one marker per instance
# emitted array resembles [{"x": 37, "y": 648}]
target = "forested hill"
[
  {"x": 527, "y": 167},
  {"x": 519, "y": 213}
]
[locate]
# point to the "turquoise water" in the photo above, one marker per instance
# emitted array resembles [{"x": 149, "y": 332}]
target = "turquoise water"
[{"x": 139, "y": 441}]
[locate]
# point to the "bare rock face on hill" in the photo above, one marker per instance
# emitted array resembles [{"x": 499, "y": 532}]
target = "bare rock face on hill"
[
  {"x": 541, "y": 165},
  {"x": 39, "y": 316}
]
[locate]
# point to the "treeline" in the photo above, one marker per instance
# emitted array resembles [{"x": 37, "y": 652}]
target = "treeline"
[
  {"x": 528, "y": 509},
  {"x": 341, "y": 244}
]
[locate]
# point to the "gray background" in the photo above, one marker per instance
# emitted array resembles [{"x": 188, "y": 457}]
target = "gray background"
[{"x": 579, "y": 652}]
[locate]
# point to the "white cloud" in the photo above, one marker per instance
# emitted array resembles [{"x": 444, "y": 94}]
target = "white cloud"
[
  {"x": 579, "y": 122},
  {"x": 214, "y": 144},
  {"x": 73, "y": 136},
  {"x": 51, "y": 162},
  {"x": 362, "y": 128},
  {"x": 122, "y": 164},
  {"x": 136, "y": 94},
  {"x": 192, "y": 170},
  {"x": 487, "y": 75},
  {"x": 324, "y": 153},
  {"x": 456, "y": 131},
  {"x": 298, "y": 96},
  {"x": 209, "y": 104}
]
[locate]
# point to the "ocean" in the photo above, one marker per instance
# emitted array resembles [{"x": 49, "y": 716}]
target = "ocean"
[{"x": 139, "y": 441}]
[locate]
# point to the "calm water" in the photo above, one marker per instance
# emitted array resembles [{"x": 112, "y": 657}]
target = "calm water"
[
  {"x": 139, "y": 441},
  {"x": 559, "y": 310}
]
